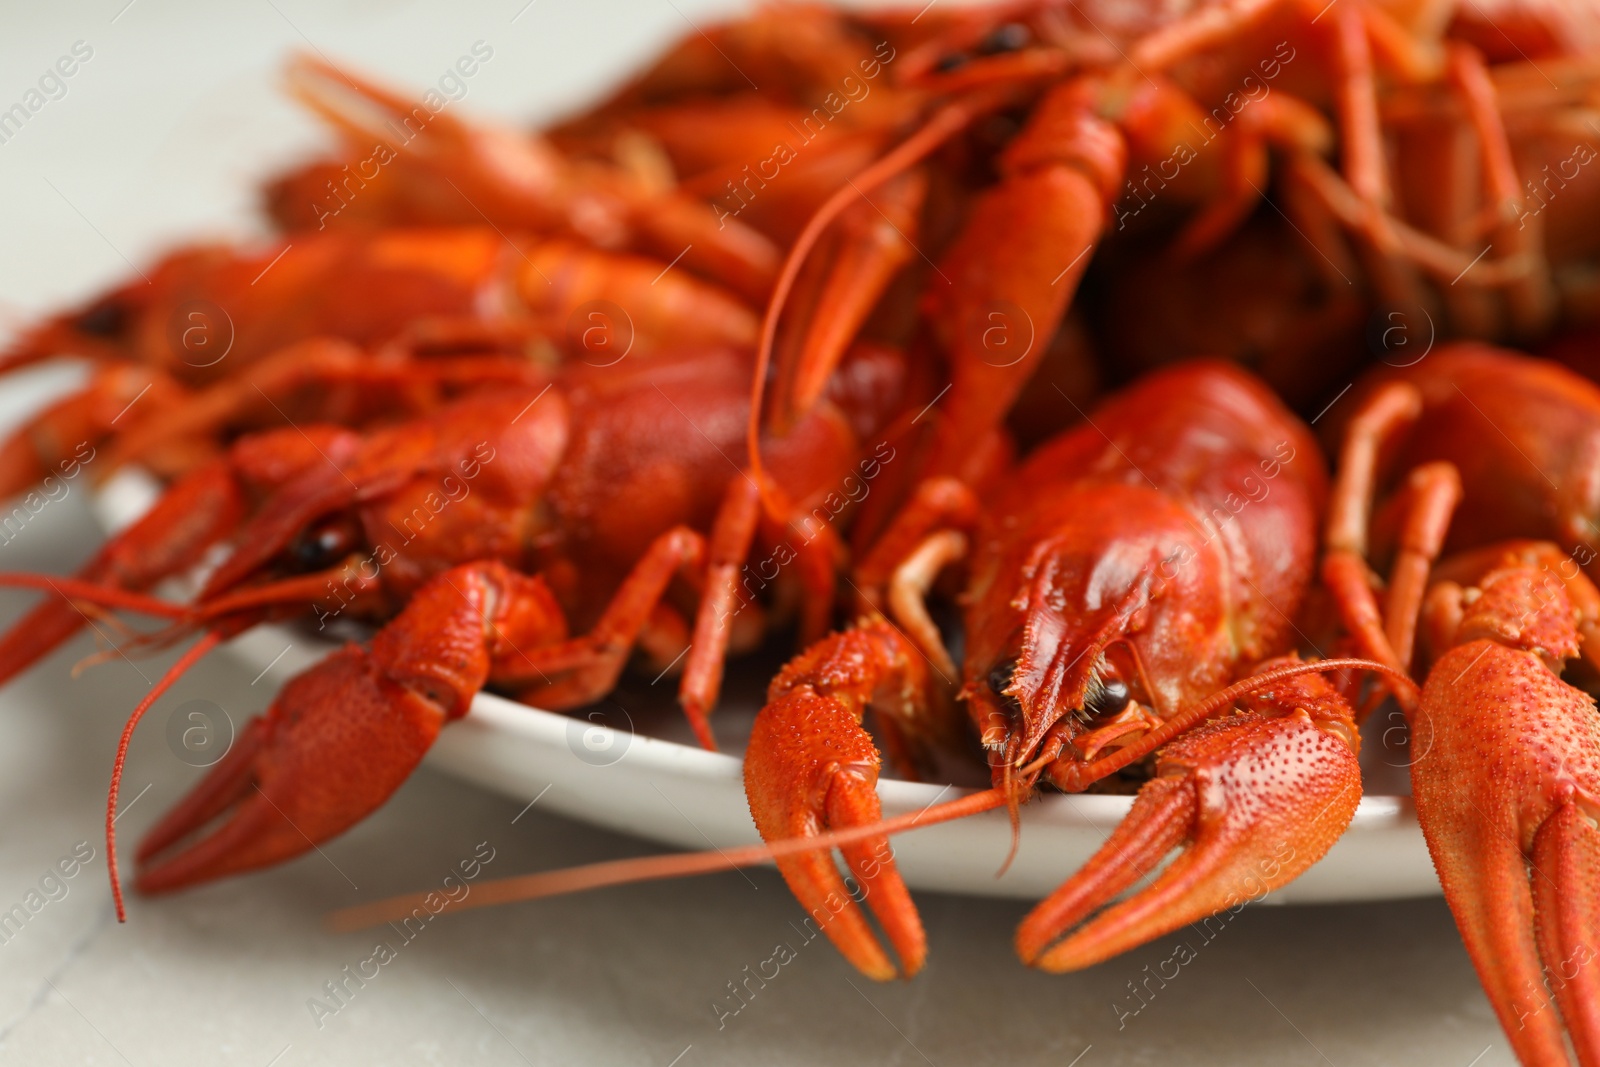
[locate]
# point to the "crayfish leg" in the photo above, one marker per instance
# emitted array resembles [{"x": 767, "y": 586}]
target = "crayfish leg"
[
  {"x": 838, "y": 289},
  {"x": 578, "y": 670}
]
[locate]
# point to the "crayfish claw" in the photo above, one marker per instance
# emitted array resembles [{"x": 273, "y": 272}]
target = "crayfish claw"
[
  {"x": 799, "y": 793},
  {"x": 1158, "y": 823},
  {"x": 1566, "y": 899},
  {"x": 1254, "y": 800},
  {"x": 336, "y": 743},
  {"x": 225, "y": 786},
  {"x": 1504, "y": 783},
  {"x": 1529, "y": 928},
  {"x": 812, "y": 767}
]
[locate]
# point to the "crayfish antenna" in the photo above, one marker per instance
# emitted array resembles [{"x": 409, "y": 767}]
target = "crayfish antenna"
[
  {"x": 943, "y": 125},
  {"x": 165, "y": 682},
  {"x": 1009, "y": 785},
  {"x": 103, "y": 595},
  {"x": 682, "y": 865},
  {"x": 652, "y": 868},
  {"x": 194, "y": 513},
  {"x": 40, "y": 631}
]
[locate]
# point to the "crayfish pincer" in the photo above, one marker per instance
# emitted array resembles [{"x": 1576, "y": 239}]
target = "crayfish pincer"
[
  {"x": 1492, "y": 449},
  {"x": 346, "y": 733}
]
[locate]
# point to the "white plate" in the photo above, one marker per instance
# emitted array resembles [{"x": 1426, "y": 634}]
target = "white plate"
[{"x": 683, "y": 796}]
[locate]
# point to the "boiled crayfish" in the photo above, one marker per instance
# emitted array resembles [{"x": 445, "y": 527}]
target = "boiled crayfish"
[
  {"x": 1136, "y": 589},
  {"x": 482, "y": 532},
  {"x": 1125, "y": 573}
]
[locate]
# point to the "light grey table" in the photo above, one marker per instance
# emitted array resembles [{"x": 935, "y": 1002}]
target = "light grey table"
[{"x": 162, "y": 135}]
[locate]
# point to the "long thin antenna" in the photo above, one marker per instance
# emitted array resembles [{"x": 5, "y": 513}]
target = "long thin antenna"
[
  {"x": 945, "y": 123},
  {"x": 176, "y": 671},
  {"x": 677, "y": 865},
  {"x": 105, "y": 596}
]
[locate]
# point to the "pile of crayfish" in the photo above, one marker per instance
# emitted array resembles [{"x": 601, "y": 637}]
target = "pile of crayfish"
[{"x": 1068, "y": 285}]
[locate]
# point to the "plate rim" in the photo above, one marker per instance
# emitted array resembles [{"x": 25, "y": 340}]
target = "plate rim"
[{"x": 1372, "y": 831}]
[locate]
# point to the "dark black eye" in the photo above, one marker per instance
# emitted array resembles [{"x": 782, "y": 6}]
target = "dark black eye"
[
  {"x": 321, "y": 547},
  {"x": 953, "y": 61},
  {"x": 106, "y": 319},
  {"x": 1108, "y": 698},
  {"x": 1007, "y": 38},
  {"x": 1000, "y": 676}
]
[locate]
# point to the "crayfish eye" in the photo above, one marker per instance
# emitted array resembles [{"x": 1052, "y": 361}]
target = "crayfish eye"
[
  {"x": 1000, "y": 676},
  {"x": 1008, "y": 38},
  {"x": 106, "y": 319},
  {"x": 320, "y": 547},
  {"x": 1108, "y": 698}
]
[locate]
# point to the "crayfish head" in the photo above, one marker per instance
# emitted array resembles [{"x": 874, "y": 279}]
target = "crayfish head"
[
  {"x": 128, "y": 321},
  {"x": 1060, "y": 673},
  {"x": 1020, "y": 743},
  {"x": 1102, "y": 627}
]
